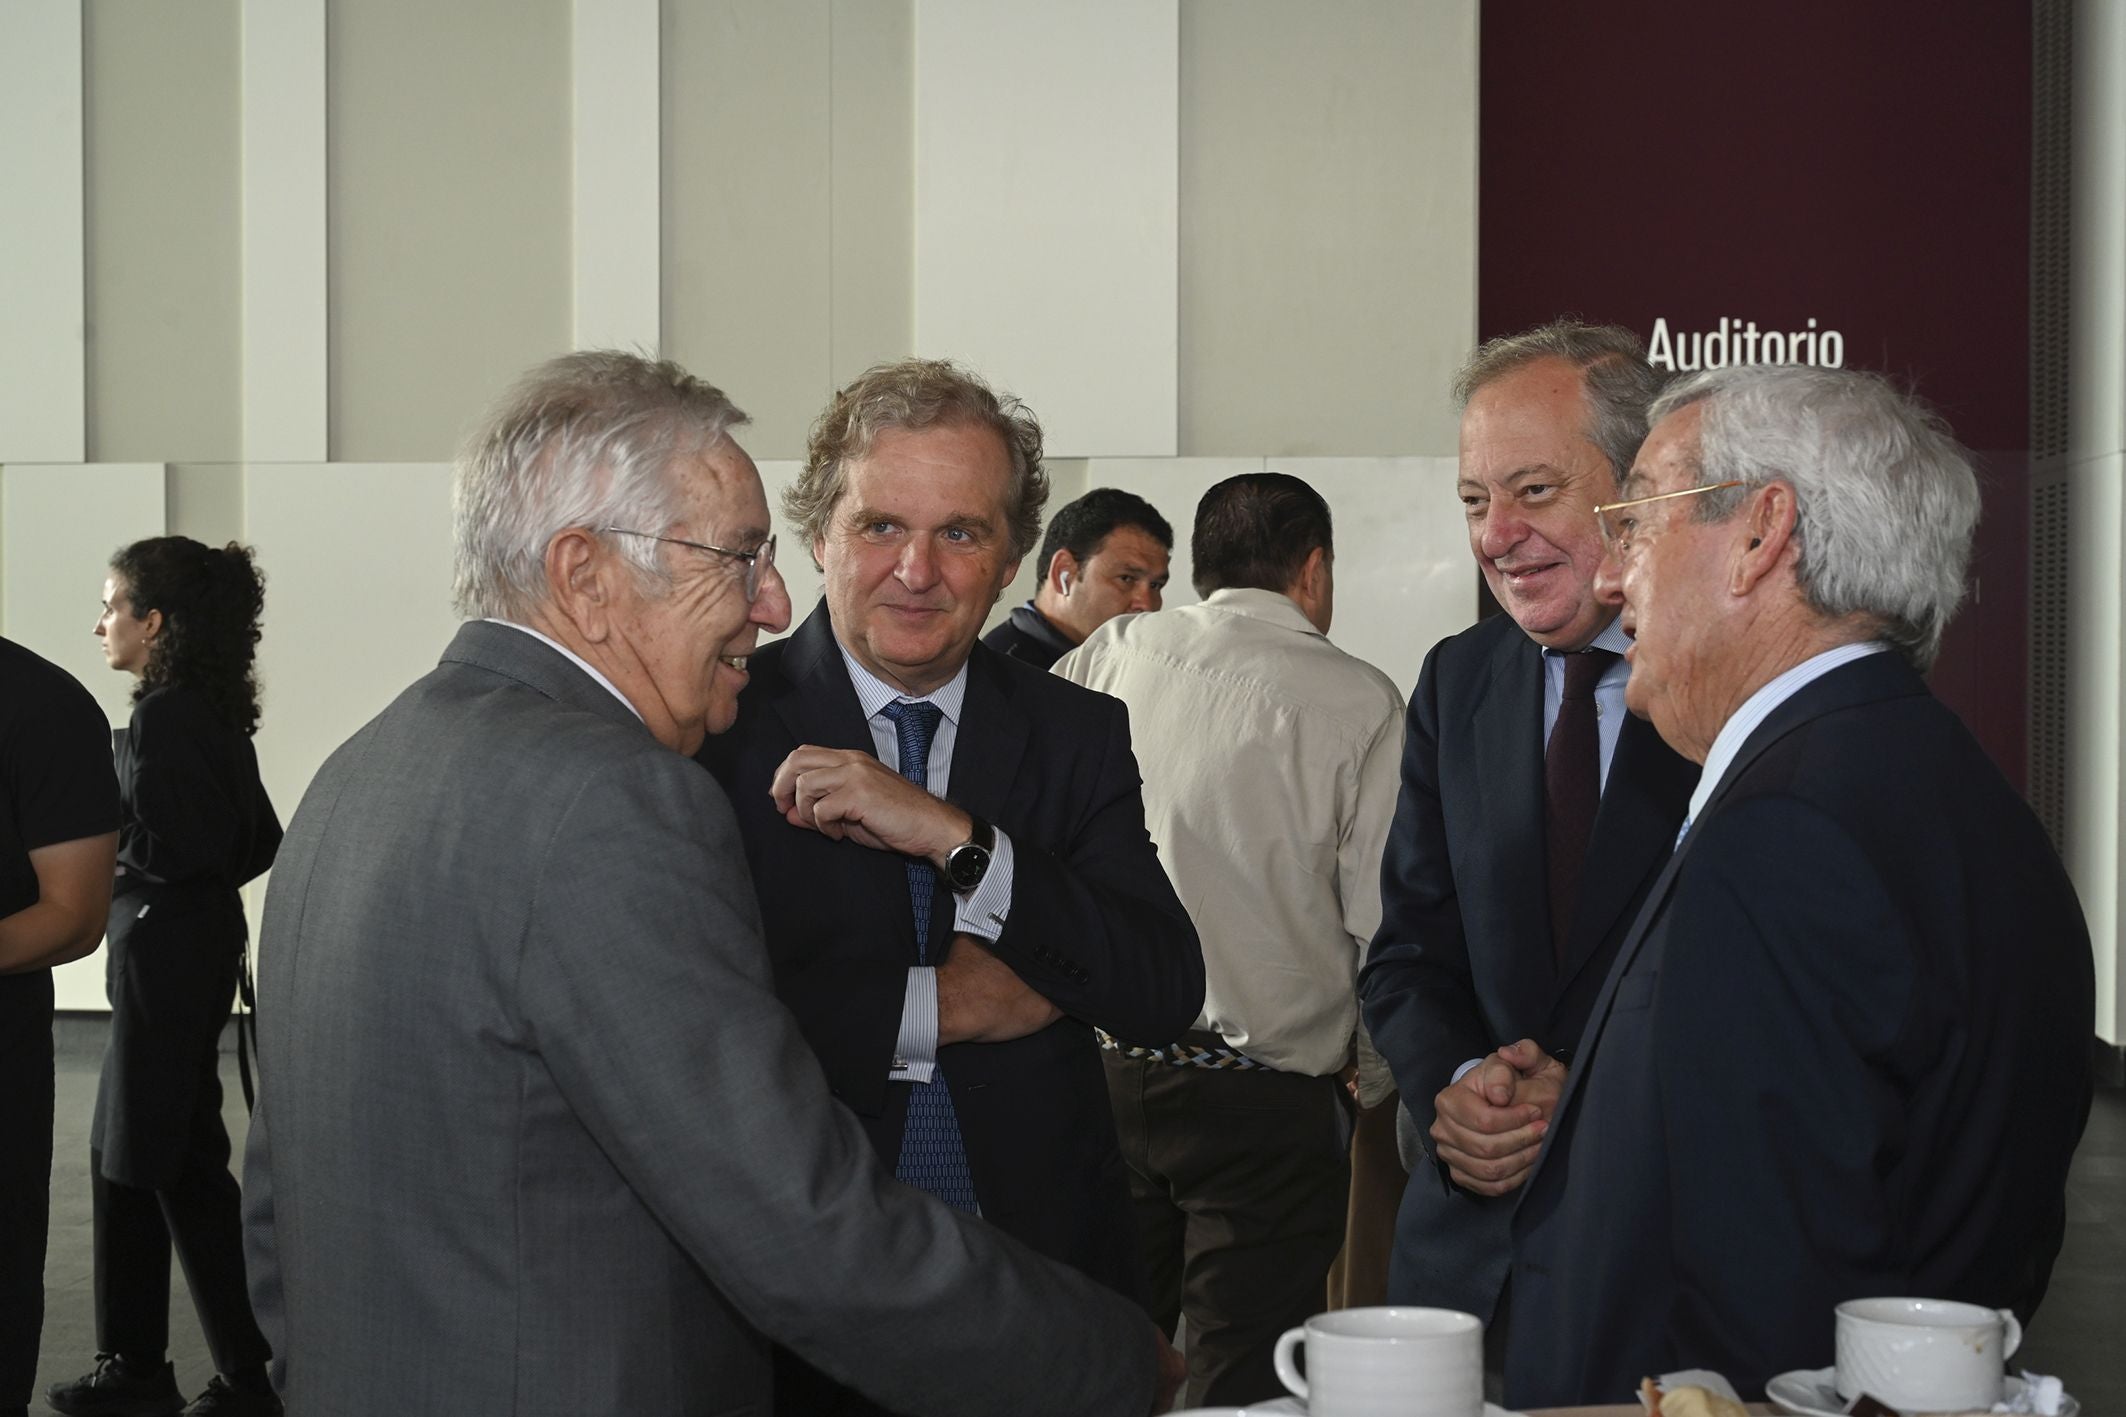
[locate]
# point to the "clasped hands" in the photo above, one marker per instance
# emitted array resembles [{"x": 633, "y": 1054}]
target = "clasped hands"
[
  {"x": 849, "y": 795},
  {"x": 1489, "y": 1125}
]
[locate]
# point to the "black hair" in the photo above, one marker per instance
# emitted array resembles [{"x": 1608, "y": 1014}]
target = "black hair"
[
  {"x": 1081, "y": 526},
  {"x": 210, "y": 601},
  {"x": 1256, "y": 531}
]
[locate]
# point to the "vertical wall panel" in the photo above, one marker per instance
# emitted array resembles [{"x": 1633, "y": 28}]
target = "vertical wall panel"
[
  {"x": 448, "y": 213},
  {"x": 58, "y": 528},
  {"x": 163, "y": 231},
  {"x": 616, "y": 159},
  {"x": 1045, "y": 209},
  {"x": 357, "y": 563},
  {"x": 1328, "y": 234},
  {"x": 42, "y": 416},
  {"x": 284, "y": 334},
  {"x": 872, "y": 100},
  {"x": 746, "y": 207}
]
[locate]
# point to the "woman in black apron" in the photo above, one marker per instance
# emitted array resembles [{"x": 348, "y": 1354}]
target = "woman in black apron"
[{"x": 183, "y": 619}]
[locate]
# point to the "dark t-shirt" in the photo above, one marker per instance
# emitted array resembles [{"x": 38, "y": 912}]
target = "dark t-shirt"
[{"x": 56, "y": 784}]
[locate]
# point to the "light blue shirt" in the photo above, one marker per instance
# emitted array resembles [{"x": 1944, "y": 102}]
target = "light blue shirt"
[
  {"x": 1756, "y": 709},
  {"x": 982, "y": 912},
  {"x": 1609, "y": 691}
]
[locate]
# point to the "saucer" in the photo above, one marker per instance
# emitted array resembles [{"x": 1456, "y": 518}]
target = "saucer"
[
  {"x": 1284, "y": 1405},
  {"x": 1809, "y": 1392}
]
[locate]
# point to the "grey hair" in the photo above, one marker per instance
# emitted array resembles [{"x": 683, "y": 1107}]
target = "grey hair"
[
  {"x": 911, "y": 395},
  {"x": 585, "y": 440},
  {"x": 1886, "y": 499},
  {"x": 1615, "y": 379}
]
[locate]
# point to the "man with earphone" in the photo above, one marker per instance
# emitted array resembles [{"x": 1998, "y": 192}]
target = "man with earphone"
[{"x": 1104, "y": 555}]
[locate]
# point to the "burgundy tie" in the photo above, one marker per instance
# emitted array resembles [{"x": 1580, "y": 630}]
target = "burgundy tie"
[{"x": 1572, "y": 788}]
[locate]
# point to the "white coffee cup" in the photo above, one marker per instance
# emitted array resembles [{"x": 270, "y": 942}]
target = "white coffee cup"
[
  {"x": 1924, "y": 1355},
  {"x": 1389, "y": 1362}
]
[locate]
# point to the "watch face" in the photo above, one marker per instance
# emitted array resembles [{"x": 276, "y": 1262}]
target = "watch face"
[{"x": 966, "y": 866}]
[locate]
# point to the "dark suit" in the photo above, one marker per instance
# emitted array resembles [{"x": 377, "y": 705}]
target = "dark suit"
[
  {"x": 1094, "y": 925},
  {"x": 1844, "y": 1052},
  {"x": 1463, "y": 962},
  {"x": 1028, "y": 635}
]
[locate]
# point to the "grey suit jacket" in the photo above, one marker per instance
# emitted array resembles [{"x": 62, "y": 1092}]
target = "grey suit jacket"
[{"x": 535, "y": 1136}]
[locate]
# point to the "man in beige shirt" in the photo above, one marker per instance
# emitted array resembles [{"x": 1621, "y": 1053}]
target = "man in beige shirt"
[{"x": 1271, "y": 766}]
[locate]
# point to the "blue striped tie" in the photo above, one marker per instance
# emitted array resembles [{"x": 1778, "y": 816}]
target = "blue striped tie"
[{"x": 932, "y": 1156}]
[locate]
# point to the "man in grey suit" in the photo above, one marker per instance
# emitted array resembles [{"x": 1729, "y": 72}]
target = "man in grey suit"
[{"x": 534, "y": 1134}]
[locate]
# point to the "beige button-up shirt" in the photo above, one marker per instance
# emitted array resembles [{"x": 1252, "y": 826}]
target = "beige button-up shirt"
[{"x": 1271, "y": 761}]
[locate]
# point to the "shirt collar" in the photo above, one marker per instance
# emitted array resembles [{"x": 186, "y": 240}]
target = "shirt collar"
[
  {"x": 874, "y": 693},
  {"x": 1269, "y": 606},
  {"x": 1758, "y": 707},
  {"x": 573, "y": 658},
  {"x": 1612, "y": 639}
]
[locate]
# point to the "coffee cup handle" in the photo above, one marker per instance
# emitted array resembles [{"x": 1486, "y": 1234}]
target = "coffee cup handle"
[
  {"x": 1288, "y": 1373},
  {"x": 2012, "y": 1334}
]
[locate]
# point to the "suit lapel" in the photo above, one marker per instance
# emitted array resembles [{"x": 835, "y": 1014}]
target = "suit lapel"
[
  {"x": 991, "y": 739},
  {"x": 1507, "y": 718},
  {"x": 1642, "y": 805}
]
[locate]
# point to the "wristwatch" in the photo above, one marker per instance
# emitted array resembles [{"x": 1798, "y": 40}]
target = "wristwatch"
[{"x": 967, "y": 863}]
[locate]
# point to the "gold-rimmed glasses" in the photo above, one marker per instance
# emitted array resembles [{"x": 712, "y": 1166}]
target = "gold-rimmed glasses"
[
  {"x": 757, "y": 560},
  {"x": 1618, "y": 523}
]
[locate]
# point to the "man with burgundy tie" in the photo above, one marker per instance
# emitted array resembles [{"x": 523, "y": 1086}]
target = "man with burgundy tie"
[
  {"x": 949, "y": 845},
  {"x": 1534, "y": 811}
]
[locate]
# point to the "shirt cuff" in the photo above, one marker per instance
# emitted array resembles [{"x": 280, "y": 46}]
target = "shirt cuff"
[
  {"x": 915, "y": 1051},
  {"x": 981, "y": 912},
  {"x": 1460, "y": 1072}
]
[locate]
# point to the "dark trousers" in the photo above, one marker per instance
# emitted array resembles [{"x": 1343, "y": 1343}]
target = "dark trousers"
[
  {"x": 1240, "y": 1180},
  {"x": 199, "y": 1216},
  {"x": 25, "y": 1174}
]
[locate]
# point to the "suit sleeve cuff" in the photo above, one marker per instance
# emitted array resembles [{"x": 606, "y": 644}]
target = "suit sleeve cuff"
[
  {"x": 982, "y": 912},
  {"x": 915, "y": 1051}
]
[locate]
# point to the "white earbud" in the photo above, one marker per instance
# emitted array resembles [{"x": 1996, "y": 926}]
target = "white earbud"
[{"x": 1063, "y": 579}]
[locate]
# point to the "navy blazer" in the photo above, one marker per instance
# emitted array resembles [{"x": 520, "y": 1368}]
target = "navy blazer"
[
  {"x": 1463, "y": 961},
  {"x": 1094, "y": 925},
  {"x": 1844, "y": 1052}
]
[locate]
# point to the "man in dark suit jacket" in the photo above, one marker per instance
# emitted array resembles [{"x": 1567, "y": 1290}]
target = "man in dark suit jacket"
[
  {"x": 1845, "y": 1048},
  {"x": 1474, "y": 952},
  {"x": 534, "y": 1135},
  {"x": 949, "y": 846},
  {"x": 1103, "y": 555}
]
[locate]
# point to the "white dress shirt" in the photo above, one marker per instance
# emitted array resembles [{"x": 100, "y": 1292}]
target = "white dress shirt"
[
  {"x": 1271, "y": 763},
  {"x": 980, "y": 913}
]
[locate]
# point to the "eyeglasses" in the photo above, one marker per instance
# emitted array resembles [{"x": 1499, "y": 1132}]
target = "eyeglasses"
[
  {"x": 757, "y": 561},
  {"x": 1618, "y": 525}
]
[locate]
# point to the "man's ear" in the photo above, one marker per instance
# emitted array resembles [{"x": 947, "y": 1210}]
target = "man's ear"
[
  {"x": 1063, "y": 571},
  {"x": 580, "y": 584},
  {"x": 1769, "y": 519}
]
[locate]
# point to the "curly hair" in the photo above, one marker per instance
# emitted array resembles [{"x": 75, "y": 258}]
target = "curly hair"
[
  {"x": 912, "y": 395},
  {"x": 210, "y": 602}
]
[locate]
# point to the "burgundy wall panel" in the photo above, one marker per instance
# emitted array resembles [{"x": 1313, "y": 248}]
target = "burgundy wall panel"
[{"x": 1865, "y": 167}]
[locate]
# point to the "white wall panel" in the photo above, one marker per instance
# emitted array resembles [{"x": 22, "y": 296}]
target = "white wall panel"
[
  {"x": 58, "y": 528},
  {"x": 42, "y": 400},
  {"x": 284, "y": 283},
  {"x": 1046, "y": 202},
  {"x": 1403, "y": 575},
  {"x": 616, "y": 156},
  {"x": 357, "y": 563}
]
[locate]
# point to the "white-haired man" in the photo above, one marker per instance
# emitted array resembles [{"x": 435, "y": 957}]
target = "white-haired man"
[
  {"x": 1845, "y": 1049},
  {"x": 536, "y": 1136}
]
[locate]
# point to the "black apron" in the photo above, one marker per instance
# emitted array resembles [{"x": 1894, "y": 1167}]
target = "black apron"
[{"x": 170, "y": 975}]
